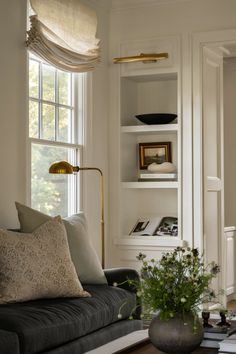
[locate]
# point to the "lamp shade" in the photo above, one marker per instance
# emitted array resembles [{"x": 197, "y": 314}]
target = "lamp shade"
[{"x": 62, "y": 167}]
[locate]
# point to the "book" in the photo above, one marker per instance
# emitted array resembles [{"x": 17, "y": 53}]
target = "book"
[
  {"x": 219, "y": 333},
  {"x": 229, "y": 344},
  {"x": 167, "y": 227},
  {"x": 156, "y": 176},
  {"x": 210, "y": 343},
  {"x": 156, "y": 226},
  {"x": 145, "y": 226}
]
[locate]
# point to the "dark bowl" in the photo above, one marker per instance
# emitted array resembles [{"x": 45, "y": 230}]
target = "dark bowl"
[{"x": 156, "y": 118}]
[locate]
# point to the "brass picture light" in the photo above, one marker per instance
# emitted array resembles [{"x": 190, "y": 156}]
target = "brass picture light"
[
  {"x": 145, "y": 58},
  {"x": 63, "y": 167}
]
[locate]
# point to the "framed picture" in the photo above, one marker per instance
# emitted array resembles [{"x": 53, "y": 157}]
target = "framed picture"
[{"x": 154, "y": 152}]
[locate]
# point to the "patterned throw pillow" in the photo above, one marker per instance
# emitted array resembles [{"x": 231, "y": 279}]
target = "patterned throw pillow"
[
  {"x": 37, "y": 265},
  {"x": 83, "y": 255}
]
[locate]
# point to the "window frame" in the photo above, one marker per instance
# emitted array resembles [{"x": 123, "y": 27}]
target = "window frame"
[{"x": 79, "y": 99}]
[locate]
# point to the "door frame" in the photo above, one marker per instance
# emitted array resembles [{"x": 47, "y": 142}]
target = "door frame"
[{"x": 199, "y": 41}]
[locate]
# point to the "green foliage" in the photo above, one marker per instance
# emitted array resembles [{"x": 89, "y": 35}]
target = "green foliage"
[{"x": 178, "y": 283}]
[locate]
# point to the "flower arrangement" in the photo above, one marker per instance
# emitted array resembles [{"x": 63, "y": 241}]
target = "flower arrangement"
[{"x": 177, "y": 283}]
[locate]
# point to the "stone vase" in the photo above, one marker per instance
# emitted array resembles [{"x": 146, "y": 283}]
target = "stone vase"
[{"x": 176, "y": 335}]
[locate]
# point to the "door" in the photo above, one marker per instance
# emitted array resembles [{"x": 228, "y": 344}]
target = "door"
[{"x": 213, "y": 147}]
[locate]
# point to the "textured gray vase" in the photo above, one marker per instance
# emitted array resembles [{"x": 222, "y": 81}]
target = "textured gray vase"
[{"x": 176, "y": 335}]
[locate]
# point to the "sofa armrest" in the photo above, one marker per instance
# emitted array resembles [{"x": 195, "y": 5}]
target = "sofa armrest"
[
  {"x": 9, "y": 342},
  {"x": 120, "y": 275}
]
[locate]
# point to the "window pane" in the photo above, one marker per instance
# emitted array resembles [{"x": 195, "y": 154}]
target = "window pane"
[
  {"x": 51, "y": 194},
  {"x": 64, "y": 125},
  {"x": 48, "y": 78},
  {"x": 48, "y": 122},
  {"x": 64, "y": 86},
  {"x": 33, "y": 78},
  {"x": 33, "y": 119}
]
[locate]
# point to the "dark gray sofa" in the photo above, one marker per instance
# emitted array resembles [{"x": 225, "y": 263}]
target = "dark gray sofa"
[{"x": 71, "y": 325}]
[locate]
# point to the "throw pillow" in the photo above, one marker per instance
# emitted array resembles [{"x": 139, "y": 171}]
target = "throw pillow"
[
  {"x": 37, "y": 265},
  {"x": 83, "y": 255}
]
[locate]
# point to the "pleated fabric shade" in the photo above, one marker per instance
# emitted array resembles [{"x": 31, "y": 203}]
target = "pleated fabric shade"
[{"x": 63, "y": 33}]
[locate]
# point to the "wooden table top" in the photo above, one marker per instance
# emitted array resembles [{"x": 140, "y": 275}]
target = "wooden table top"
[{"x": 147, "y": 348}]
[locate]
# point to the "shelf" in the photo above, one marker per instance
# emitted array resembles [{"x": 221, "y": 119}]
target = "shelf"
[
  {"x": 143, "y": 129},
  {"x": 158, "y": 241},
  {"x": 149, "y": 184}
]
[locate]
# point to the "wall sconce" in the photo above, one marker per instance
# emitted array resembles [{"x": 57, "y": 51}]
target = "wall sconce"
[{"x": 145, "y": 58}]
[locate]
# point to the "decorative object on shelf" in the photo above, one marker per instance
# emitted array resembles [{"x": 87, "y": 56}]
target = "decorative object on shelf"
[
  {"x": 156, "y": 118},
  {"x": 145, "y": 226},
  {"x": 156, "y": 226},
  {"x": 63, "y": 167},
  {"x": 165, "y": 167},
  {"x": 143, "y": 57},
  {"x": 176, "y": 285},
  {"x": 167, "y": 227},
  {"x": 154, "y": 153}
]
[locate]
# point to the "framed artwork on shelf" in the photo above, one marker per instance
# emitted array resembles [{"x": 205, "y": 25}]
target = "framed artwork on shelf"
[{"x": 154, "y": 152}]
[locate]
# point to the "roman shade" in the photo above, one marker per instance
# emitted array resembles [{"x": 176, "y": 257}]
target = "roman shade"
[{"x": 63, "y": 33}]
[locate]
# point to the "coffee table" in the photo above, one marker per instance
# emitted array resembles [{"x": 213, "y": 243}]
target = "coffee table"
[
  {"x": 148, "y": 348},
  {"x": 138, "y": 343}
]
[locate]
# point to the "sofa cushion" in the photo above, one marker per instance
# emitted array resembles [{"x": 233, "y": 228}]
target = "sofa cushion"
[
  {"x": 83, "y": 255},
  {"x": 37, "y": 265},
  {"x": 42, "y": 325}
]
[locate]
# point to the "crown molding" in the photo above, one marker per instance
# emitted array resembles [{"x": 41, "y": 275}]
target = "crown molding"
[{"x": 125, "y": 4}]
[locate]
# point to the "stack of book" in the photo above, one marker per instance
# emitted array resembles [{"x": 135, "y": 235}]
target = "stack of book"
[
  {"x": 228, "y": 345},
  {"x": 215, "y": 336},
  {"x": 151, "y": 176}
]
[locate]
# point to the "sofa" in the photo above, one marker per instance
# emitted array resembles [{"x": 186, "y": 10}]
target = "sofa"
[
  {"x": 71, "y": 325},
  {"x": 55, "y": 298}
]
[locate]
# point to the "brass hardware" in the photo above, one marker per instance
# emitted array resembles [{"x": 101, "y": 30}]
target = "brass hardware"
[
  {"x": 145, "y": 58},
  {"x": 63, "y": 167}
]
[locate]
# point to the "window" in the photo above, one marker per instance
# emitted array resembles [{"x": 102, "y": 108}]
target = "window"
[{"x": 53, "y": 135}]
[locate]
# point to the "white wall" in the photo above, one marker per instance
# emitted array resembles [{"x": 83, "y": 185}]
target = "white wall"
[
  {"x": 97, "y": 138},
  {"x": 13, "y": 112},
  {"x": 13, "y": 108},
  {"x": 230, "y": 140}
]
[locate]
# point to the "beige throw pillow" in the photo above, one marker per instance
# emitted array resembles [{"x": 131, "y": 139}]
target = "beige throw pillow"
[
  {"x": 37, "y": 265},
  {"x": 84, "y": 257}
]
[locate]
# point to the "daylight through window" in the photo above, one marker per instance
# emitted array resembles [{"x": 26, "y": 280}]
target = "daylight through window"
[{"x": 53, "y": 132}]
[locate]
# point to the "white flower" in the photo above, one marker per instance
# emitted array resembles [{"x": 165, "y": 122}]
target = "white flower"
[
  {"x": 119, "y": 316},
  {"x": 115, "y": 284},
  {"x": 183, "y": 299}
]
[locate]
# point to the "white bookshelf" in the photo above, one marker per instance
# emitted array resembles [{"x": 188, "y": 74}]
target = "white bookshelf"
[
  {"x": 147, "y": 129},
  {"x": 144, "y": 89}
]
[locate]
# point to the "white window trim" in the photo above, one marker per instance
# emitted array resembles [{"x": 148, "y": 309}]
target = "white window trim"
[{"x": 82, "y": 108}]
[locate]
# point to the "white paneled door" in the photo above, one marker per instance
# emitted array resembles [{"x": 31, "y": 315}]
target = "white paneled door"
[{"x": 213, "y": 145}]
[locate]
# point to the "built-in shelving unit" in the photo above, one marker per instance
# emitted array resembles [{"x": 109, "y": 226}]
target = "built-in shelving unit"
[{"x": 147, "y": 88}]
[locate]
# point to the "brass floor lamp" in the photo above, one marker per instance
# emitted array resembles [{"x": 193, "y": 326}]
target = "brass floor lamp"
[{"x": 63, "y": 167}]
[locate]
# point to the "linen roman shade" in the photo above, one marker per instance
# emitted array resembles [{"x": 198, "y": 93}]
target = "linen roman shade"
[{"x": 63, "y": 33}]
